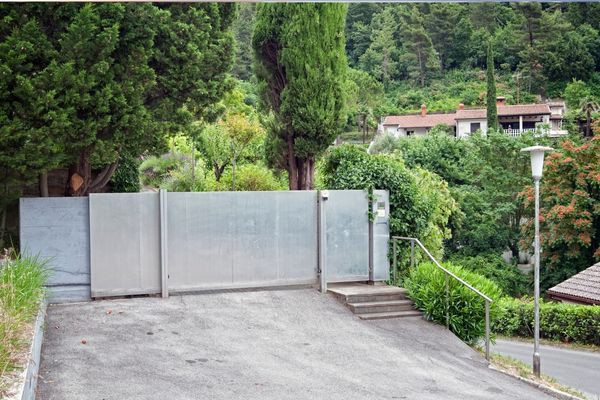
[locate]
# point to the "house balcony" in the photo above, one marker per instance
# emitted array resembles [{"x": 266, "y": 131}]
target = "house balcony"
[{"x": 536, "y": 132}]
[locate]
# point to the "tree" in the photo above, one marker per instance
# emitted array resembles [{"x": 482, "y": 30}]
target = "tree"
[
  {"x": 569, "y": 211},
  {"x": 420, "y": 57},
  {"x": 242, "y": 30},
  {"x": 87, "y": 82},
  {"x": 364, "y": 94},
  {"x": 492, "y": 111},
  {"x": 381, "y": 57},
  {"x": 301, "y": 69}
]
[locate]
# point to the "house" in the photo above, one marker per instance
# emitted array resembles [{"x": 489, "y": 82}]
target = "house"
[
  {"x": 416, "y": 124},
  {"x": 514, "y": 120},
  {"x": 581, "y": 288}
]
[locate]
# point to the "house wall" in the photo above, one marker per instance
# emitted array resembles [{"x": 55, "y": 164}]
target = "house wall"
[
  {"x": 402, "y": 132},
  {"x": 463, "y": 126}
]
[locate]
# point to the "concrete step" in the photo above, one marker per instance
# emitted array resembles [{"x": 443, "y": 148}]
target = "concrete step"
[
  {"x": 381, "y": 306},
  {"x": 356, "y": 298},
  {"x": 394, "y": 314}
]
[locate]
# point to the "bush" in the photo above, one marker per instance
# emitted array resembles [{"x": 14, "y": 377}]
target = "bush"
[
  {"x": 426, "y": 286},
  {"x": 507, "y": 276},
  {"x": 249, "y": 177},
  {"x": 558, "y": 321},
  {"x": 126, "y": 178},
  {"x": 154, "y": 170},
  {"x": 21, "y": 291}
]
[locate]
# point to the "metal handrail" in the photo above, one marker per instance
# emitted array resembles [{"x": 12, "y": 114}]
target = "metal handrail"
[{"x": 448, "y": 273}]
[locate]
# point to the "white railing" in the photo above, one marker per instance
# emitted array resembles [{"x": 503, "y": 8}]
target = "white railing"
[{"x": 519, "y": 132}]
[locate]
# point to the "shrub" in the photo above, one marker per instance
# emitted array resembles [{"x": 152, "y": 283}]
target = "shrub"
[
  {"x": 426, "y": 287},
  {"x": 558, "y": 321},
  {"x": 21, "y": 291},
  {"x": 507, "y": 276},
  {"x": 154, "y": 170},
  {"x": 250, "y": 177},
  {"x": 126, "y": 177}
]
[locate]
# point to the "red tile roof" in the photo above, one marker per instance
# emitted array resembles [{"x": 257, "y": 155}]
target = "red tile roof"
[
  {"x": 505, "y": 111},
  {"x": 583, "y": 287},
  {"x": 419, "y": 121}
]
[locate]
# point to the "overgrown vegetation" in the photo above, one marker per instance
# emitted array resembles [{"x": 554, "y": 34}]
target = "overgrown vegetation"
[
  {"x": 426, "y": 286},
  {"x": 558, "y": 321},
  {"x": 21, "y": 291}
]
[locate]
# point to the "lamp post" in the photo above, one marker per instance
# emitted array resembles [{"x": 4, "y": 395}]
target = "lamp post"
[{"x": 537, "y": 166}]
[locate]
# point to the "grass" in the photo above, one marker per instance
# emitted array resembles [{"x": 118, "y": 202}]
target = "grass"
[
  {"x": 21, "y": 291},
  {"x": 356, "y": 137},
  {"x": 519, "y": 368}
]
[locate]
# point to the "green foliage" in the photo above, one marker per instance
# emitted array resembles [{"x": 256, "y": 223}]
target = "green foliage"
[
  {"x": 485, "y": 175},
  {"x": 492, "y": 111},
  {"x": 83, "y": 83},
  {"x": 249, "y": 177},
  {"x": 301, "y": 70},
  {"x": 21, "y": 291},
  {"x": 126, "y": 177},
  {"x": 154, "y": 170},
  {"x": 350, "y": 167},
  {"x": 426, "y": 286},
  {"x": 558, "y": 321},
  {"x": 491, "y": 265}
]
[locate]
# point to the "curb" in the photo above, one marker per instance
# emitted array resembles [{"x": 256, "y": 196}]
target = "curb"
[
  {"x": 544, "y": 388},
  {"x": 28, "y": 386}
]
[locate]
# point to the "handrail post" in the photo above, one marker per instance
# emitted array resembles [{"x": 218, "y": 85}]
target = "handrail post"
[
  {"x": 487, "y": 330},
  {"x": 395, "y": 262},
  {"x": 447, "y": 302},
  {"x": 412, "y": 254}
]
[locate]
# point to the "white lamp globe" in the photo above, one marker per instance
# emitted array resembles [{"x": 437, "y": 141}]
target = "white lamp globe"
[{"x": 537, "y": 159}]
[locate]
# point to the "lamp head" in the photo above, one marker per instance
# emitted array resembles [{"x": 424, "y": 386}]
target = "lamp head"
[{"x": 537, "y": 159}]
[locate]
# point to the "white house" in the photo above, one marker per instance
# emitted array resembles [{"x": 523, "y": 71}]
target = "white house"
[
  {"x": 416, "y": 124},
  {"x": 514, "y": 119}
]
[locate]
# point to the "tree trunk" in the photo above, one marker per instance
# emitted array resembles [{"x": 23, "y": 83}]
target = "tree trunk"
[
  {"x": 44, "y": 184},
  {"x": 2, "y": 227},
  {"x": 588, "y": 123},
  {"x": 80, "y": 174},
  {"x": 291, "y": 164},
  {"x": 218, "y": 171},
  {"x": 233, "y": 174},
  {"x": 80, "y": 181}
]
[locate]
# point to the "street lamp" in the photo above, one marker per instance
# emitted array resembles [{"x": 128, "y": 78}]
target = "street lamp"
[{"x": 537, "y": 166}]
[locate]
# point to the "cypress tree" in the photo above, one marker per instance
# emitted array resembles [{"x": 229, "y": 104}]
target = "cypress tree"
[
  {"x": 492, "y": 111},
  {"x": 301, "y": 68}
]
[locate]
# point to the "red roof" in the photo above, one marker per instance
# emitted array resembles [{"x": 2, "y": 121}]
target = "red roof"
[
  {"x": 505, "y": 111},
  {"x": 583, "y": 287},
  {"x": 420, "y": 121}
]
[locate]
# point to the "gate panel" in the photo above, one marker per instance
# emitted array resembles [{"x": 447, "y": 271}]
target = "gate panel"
[
  {"x": 347, "y": 236},
  {"x": 124, "y": 244},
  {"x": 381, "y": 235},
  {"x": 241, "y": 239}
]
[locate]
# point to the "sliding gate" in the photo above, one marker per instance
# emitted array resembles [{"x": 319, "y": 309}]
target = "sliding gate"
[{"x": 144, "y": 243}]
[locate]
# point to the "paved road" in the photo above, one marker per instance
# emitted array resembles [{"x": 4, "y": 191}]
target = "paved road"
[
  {"x": 267, "y": 345},
  {"x": 578, "y": 369}
]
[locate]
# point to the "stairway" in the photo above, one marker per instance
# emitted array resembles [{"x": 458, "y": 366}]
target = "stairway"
[{"x": 377, "y": 301}]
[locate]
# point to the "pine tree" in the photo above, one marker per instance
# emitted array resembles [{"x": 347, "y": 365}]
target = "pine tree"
[
  {"x": 492, "y": 110},
  {"x": 301, "y": 68}
]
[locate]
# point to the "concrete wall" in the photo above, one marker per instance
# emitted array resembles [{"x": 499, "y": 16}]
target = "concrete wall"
[
  {"x": 463, "y": 127},
  {"x": 57, "y": 229}
]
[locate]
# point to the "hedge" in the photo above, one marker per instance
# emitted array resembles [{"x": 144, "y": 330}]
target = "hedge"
[
  {"x": 426, "y": 286},
  {"x": 558, "y": 321}
]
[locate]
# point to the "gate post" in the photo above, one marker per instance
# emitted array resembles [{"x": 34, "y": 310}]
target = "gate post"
[
  {"x": 371, "y": 233},
  {"x": 322, "y": 196},
  {"x": 164, "y": 272}
]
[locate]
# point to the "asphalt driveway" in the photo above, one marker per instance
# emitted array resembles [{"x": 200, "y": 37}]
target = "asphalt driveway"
[{"x": 285, "y": 344}]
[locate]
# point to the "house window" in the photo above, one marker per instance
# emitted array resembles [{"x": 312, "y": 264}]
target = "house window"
[
  {"x": 410, "y": 133},
  {"x": 475, "y": 126}
]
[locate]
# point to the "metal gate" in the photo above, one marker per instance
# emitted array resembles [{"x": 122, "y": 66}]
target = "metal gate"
[{"x": 144, "y": 243}]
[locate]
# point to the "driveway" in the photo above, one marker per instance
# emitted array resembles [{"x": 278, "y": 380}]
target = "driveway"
[
  {"x": 281, "y": 344},
  {"x": 575, "y": 368}
]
